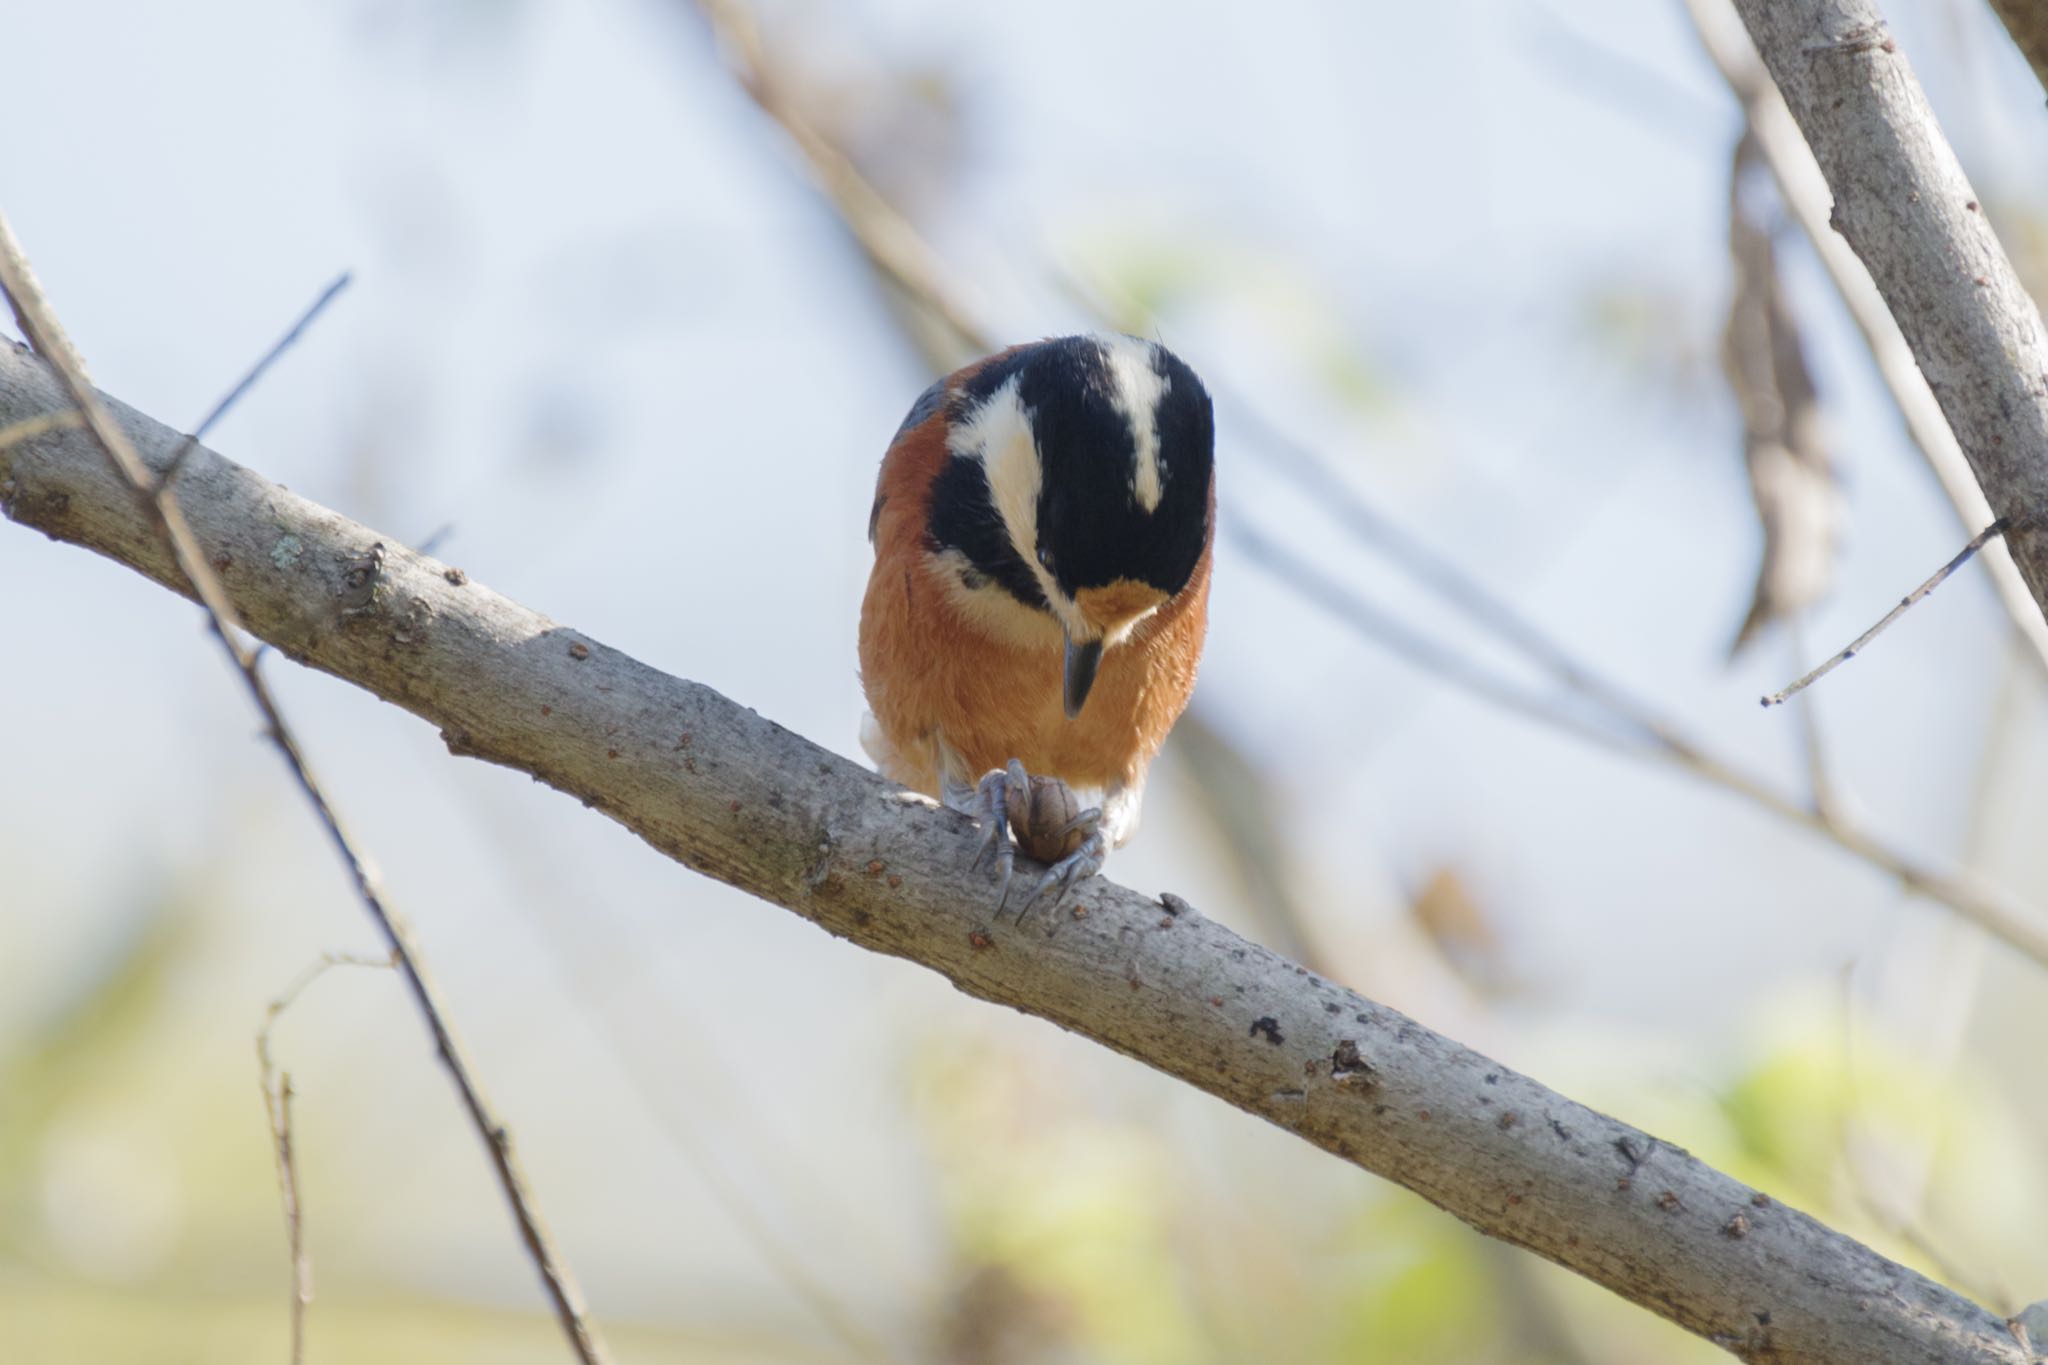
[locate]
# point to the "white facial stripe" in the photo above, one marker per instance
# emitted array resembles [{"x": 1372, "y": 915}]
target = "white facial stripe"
[
  {"x": 1136, "y": 388},
  {"x": 999, "y": 435}
]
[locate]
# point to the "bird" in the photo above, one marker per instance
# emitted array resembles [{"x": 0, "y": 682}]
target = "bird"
[{"x": 1042, "y": 524}]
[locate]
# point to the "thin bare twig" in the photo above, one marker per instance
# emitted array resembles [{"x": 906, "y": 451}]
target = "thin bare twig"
[
  {"x": 254, "y": 373},
  {"x": 44, "y": 332},
  {"x": 893, "y": 246},
  {"x": 277, "y": 1103},
  {"x": 1850, "y": 650}
]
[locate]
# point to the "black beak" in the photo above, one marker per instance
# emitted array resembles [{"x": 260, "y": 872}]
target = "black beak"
[{"x": 1081, "y": 664}]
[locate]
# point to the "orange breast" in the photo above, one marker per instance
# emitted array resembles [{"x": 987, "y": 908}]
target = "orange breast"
[{"x": 931, "y": 673}]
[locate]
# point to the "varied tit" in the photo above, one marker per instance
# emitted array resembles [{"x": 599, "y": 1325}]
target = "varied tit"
[{"x": 1042, "y": 527}]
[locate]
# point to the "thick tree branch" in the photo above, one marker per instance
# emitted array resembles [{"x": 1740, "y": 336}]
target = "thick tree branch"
[
  {"x": 1903, "y": 203},
  {"x": 737, "y": 797}
]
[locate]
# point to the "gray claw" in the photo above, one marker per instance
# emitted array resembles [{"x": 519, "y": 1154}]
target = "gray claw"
[
  {"x": 991, "y": 799},
  {"x": 1082, "y": 863}
]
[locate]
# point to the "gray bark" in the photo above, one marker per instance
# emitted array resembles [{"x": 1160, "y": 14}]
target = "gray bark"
[
  {"x": 1903, "y": 203},
  {"x": 739, "y": 798}
]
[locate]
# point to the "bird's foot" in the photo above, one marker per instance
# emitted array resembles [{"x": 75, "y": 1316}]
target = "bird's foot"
[
  {"x": 1082, "y": 863},
  {"x": 1039, "y": 815},
  {"x": 992, "y": 809}
]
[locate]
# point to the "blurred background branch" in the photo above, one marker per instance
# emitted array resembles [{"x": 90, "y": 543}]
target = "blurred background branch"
[{"x": 2027, "y": 22}]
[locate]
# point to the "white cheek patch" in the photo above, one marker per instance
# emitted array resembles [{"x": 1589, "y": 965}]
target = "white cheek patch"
[
  {"x": 1136, "y": 388},
  {"x": 989, "y": 606},
  {"x": 999, "y": 435}
]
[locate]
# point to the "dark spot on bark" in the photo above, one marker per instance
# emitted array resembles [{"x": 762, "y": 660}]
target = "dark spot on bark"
[
  {"x": 1332, "y": 1007},
  {"x": 894, "y": 881},
  {"x": 1269, "y": 1026},
  {"x": 1508, "y": 1120},
  {"x": 546, "y": 710},
  {"x": 1763, "y": 1317},
  {"x": 611, "y": 753},
  {"x": 1348, "y": 1067},
  {"x": 1493, "y": 1078},
  {"x": 1634, "y": 1157},
  {"x": 578, "y": 650}
]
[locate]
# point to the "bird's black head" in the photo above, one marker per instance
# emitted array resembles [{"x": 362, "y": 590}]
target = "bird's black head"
[{"x": 1079, "y": 484}]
